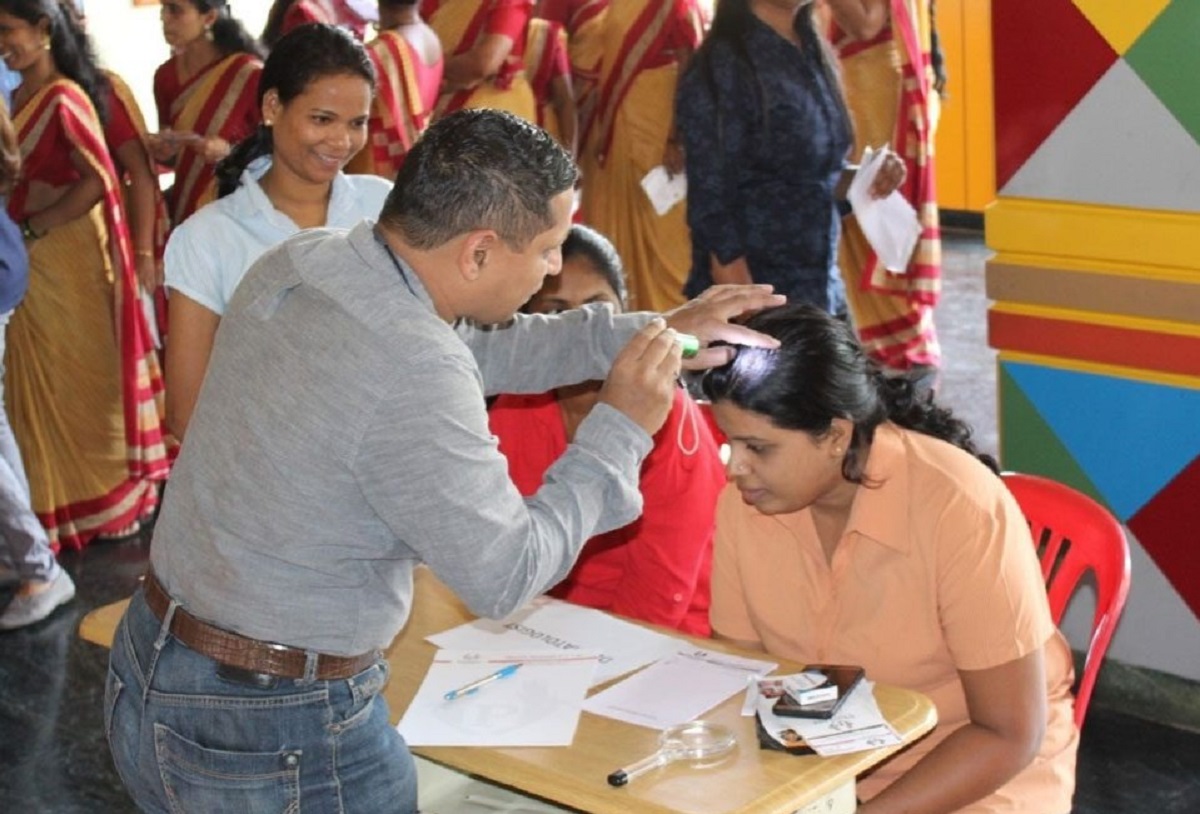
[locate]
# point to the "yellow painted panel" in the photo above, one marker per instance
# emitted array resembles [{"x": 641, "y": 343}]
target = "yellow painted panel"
[
  {"x": 1121, "y": 22},
  {"x": 1116, "y": 371},
  {"x": 966, "y": 152},
  {"x": 951, "y": 147},
  {"x": 981, "y": 131},
  {"x": 1088, "y": 232}
]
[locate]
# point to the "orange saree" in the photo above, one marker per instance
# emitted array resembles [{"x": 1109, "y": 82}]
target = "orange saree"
[
  {"x": 84, "y": 385},
  {"x": 219, "y": 101},
  {"x": 626, "y": 137},
  {"x": 889, "y": 90}
]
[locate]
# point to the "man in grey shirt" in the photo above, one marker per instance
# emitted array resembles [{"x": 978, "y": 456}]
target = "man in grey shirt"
[{"x": 340, "y": 439}]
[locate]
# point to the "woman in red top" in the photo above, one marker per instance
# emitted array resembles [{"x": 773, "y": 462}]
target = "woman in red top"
[
  {"x": 288, "y": 14},
  {"x": 657, "y": 568}
]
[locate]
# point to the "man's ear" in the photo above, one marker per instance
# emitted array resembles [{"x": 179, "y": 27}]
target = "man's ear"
[{"x": 473, "y": 254}]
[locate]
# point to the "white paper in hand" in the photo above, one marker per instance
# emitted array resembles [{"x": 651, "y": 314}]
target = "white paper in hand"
[
  {"x": 889, "y": 224},
  {"x": 663, "y": 190}
]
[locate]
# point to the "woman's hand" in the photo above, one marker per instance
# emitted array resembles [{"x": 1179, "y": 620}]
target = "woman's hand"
[
  {"x": 149, "y": 271},
  {"x": 891, "y": 175},
  {"x": 213, "y": 148},
  {"x": 673, "y": 157},
  {"x": 163, "y": 146}
]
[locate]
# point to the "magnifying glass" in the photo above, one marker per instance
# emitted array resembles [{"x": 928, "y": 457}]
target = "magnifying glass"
[{"x": 700, "y": 742}]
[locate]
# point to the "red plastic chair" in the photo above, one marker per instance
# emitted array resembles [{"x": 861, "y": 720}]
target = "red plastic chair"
[{"x": 1074, "y": 534}]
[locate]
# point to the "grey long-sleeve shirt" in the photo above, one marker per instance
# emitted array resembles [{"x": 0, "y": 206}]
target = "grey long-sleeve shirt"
[{"x": 341, "y": 438}]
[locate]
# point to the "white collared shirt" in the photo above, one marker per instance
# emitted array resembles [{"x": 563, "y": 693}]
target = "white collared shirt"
[{"x": 208, "y": 254}]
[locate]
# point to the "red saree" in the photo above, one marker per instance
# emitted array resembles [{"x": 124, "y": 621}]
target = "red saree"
[{"x": 221, "y": 100}]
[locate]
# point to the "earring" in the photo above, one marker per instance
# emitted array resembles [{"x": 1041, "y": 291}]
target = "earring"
[
  {"x": 208, "y": 33},
  {"x": 267, "y": 122},
  {"x": 46, "y": 45},
  {"x": 837, "y": 450}
]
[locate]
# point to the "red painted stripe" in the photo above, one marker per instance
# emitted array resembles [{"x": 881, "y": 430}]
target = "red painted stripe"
[{"x": 1103, "y": 344}]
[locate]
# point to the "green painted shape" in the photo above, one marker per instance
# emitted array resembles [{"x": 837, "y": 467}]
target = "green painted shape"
[
  {"x": 1028, "y": 444},
  {"x": 1167, "y": 58}
]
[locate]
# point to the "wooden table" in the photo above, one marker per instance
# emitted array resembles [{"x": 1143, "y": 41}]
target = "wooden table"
[{"x": 750, "y": 781}]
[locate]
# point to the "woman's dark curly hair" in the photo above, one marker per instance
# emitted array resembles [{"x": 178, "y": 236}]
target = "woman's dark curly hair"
[{"x": 819, "y": 373}]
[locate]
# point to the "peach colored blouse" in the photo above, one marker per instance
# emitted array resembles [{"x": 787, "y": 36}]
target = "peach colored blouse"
[{"x": 935, "y": 573}]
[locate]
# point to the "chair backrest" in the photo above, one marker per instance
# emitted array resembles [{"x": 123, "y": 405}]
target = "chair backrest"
[{"x": 1074, "y": 534}]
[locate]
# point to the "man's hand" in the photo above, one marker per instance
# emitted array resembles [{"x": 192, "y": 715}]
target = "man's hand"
[
  {"x": 707, "y": 317},
  {"x": 642, "y": 381}
]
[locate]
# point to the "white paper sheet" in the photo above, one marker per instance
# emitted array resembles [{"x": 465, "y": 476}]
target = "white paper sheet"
[
  {"x": 889, "y": 224},
  {"x": 857, "y": 726},
  {"x": 663, "y": 189},
  {"x": 677, "y": 689},
  {"x": 538, "y": 705},
  {"x": 550, "y": 624}
]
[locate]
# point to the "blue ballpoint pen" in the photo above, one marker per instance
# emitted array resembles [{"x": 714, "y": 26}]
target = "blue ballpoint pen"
[{"x": 473, "y": 687}]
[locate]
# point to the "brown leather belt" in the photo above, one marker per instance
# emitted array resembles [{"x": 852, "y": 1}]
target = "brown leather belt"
[{"x": 244, "y": 653}]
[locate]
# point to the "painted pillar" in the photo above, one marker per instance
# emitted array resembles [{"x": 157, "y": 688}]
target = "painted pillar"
[{"x": 1096, "y": 283}]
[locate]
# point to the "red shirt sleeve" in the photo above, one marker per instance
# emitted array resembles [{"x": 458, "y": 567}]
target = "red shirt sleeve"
[
  {"x": 684, "y": 31},
  {"x": 166, "y": 88},
  {"x": 508, "y": 18}
]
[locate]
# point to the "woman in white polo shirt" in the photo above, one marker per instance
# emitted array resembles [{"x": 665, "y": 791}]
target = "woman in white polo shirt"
[{"x": 315, "y": 94}]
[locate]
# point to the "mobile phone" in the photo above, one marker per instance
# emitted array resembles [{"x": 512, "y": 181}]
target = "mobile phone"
[{"x": 845, "y": 677}]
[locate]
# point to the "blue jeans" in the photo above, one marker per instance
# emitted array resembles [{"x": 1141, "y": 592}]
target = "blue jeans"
[{"x": 186, "y": 739}]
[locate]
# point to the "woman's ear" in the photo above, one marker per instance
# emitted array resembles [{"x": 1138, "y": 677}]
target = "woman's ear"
[
  {"x": 271, "y": 107},
  {"x": 841, "y": 432}
]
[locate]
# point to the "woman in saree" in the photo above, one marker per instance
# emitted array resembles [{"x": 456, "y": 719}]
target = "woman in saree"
[
  {"x": 631, "y": 131},
  {"x": 205, "y": 94},
  {"x": 583, "y": 21},
  {"x": 884, "y": 48},
  {"x": 408, "y": 71},
  {"x": 126, "y": 135},
  {"x": 484, "y": 41},
  {"x": 81, "y": 377},
  {"x": 288, "y": 14},
  {"x": 549, "y": 73}
]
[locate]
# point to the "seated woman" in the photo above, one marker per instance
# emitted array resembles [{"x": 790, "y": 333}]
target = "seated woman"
[
  {"x": 315, "y": 96},
  {"x": 657, "y": 568},
  {"x": 860, "y": 527}
]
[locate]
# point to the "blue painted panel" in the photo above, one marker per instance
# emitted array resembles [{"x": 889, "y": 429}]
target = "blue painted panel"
[{"x": 1130, "y": 437}]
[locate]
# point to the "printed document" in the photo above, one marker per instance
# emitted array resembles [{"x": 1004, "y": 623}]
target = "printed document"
[
  {"x": 677, "y": 689},
  {"x": 537, "y": 705},
  {"x": 551, "y": 624}
]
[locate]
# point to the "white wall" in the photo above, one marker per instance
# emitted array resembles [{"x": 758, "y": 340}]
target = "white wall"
[
  {"x": 129, "y": 41},
  {"x": 1158, "y": 629}
]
